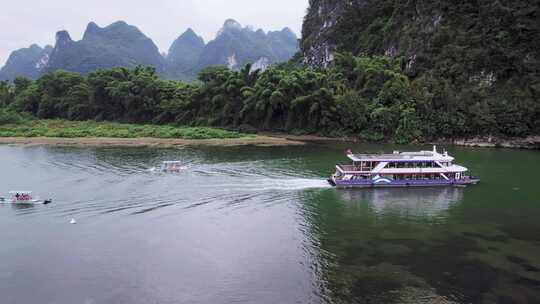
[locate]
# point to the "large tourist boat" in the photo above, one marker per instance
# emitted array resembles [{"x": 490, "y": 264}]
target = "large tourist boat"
[{"x": 401, "y": 169}]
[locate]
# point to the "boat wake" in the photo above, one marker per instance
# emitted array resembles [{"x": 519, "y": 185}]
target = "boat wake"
[
  {"x": 285, "y": 184},
  {"x": 253, "y": 176},
  {"x": 175, "y": 195},
  {"x": 132, "y": 187}
]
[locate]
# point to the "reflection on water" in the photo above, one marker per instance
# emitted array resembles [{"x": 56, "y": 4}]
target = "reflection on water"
[
  {"x": 261, "y": 225},
  {"x": 422, "y": 245},
  {"x": 26, "y": 207},
  {"x": 407, "y": 202}
]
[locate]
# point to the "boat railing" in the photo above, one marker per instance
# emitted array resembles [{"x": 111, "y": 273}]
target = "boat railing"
[{"x": 352, "y": 168}]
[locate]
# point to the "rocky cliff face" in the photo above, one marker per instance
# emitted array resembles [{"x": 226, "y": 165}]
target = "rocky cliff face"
[
  {"x": 28, "y": 62},
  {"x": 318, "y": 45},
  {"x": 480, "y": 40},
  {"x": 117, "y": 45}
]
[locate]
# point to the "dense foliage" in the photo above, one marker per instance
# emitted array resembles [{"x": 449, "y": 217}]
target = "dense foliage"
[{"x": 368, "y": 97}]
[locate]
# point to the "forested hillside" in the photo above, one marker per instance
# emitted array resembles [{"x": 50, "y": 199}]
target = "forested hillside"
[
  {"x": 475, "y": 65},
  {"x": 368, "y": 97}
]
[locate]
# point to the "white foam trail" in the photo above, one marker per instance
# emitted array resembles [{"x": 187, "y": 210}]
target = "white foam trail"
[{"x": 264, "y": 184}]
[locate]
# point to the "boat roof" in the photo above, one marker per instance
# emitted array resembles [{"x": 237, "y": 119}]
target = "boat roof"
[
  {"x": 403, "y": 156},
  {"x": 20, "y": 192}
]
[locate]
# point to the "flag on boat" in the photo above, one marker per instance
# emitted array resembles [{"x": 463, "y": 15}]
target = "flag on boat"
[{"x": 348, "y": 152}]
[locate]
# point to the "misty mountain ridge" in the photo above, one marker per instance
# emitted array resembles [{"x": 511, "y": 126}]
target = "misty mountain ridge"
[
  {"x": 235, "y": 46},
  {"x": 122, "y": 45},
  {"x": 118, "y": 44},
  {"x": 27, "y": 62},
  {"x": 183, "y": 54}
]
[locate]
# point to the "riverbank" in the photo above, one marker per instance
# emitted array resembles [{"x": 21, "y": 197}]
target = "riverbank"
[
  {"x": 57, "y": 128},
  {"x": 91, "y": 133},
  {"x": 263, "y": 141},
  {"x": 530, "y": 142}
]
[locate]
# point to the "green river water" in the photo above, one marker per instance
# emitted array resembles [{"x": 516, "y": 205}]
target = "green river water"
[{"x": 261, "y": 225}]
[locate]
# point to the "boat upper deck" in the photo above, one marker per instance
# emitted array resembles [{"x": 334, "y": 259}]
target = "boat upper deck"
[
  {"x": 348, "y": 169},
  {"x": 402, "y": 156}
]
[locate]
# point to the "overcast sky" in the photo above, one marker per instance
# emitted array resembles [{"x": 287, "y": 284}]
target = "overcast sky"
[{"x": 24, "y": 22}]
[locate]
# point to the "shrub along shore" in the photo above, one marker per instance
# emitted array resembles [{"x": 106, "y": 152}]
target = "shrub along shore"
[
  {"x": 92, "y": 133},
  {"x": 85, "y": 129},
  {"x": 32, "y": 131}
]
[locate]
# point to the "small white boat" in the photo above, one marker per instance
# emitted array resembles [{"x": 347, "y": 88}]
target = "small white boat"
[
  {"x": 173, "y": 166},
  {"x": 23, "y": 197}
]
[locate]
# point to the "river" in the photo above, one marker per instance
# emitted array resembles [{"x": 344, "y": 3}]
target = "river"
[{"x": 261, "y": 225}]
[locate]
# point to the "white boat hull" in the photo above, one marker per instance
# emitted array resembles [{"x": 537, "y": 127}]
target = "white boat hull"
[{"x": 27, "y": 202}]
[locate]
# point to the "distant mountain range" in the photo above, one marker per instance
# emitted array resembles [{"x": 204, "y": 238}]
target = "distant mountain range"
[{"x": 124, "y": 45}]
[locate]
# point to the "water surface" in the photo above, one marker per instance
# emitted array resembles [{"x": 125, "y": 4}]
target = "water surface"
[{"x": 261, "y": 225}]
